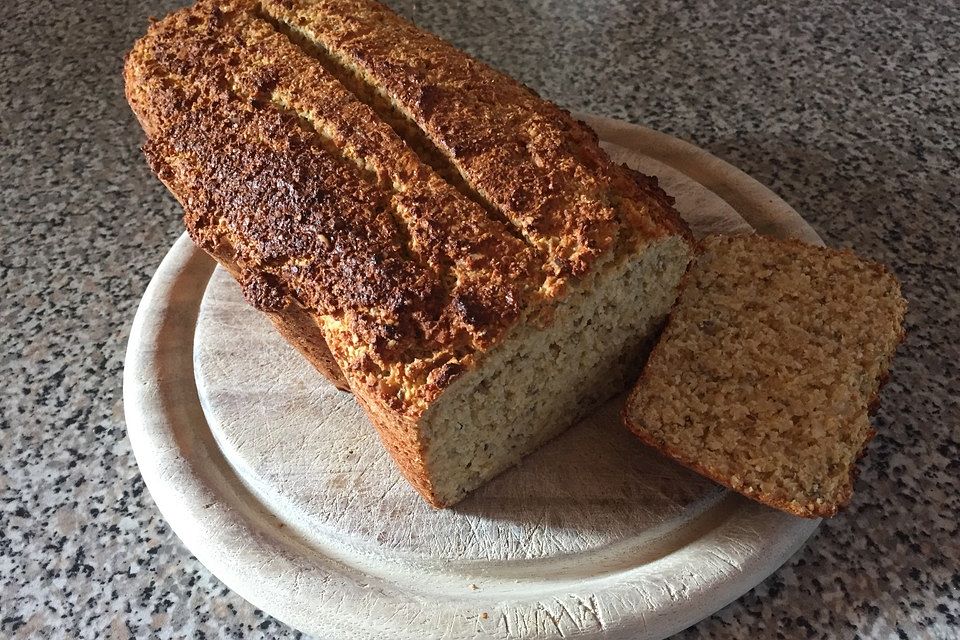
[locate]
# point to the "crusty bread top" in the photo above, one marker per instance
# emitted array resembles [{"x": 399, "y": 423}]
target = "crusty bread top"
[
  {"x": 321, "y": 203},
  {"x": 764, "y": 375},
  {"x": 539, "y": 166}
]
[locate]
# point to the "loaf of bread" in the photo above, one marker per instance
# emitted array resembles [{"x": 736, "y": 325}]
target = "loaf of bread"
[
  {"x": 768, "y": 366},
  {"x": 432, "y": 235}
]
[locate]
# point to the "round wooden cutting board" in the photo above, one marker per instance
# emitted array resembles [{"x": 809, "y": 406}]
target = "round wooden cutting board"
[{"x": 278, "y": 484}]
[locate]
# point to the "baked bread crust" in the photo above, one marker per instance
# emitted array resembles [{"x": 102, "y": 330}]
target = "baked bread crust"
[
  {"x": 220, "y": 95},
  {"x": 541, "y": 168},
  {"x": 391, "y": 276}
]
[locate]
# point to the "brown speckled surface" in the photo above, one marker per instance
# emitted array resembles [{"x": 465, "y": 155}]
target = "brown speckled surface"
[{"x": 848, "y": 110}]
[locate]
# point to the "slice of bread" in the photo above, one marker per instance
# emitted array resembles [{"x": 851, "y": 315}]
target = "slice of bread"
[{"x": 769, "y": 364}]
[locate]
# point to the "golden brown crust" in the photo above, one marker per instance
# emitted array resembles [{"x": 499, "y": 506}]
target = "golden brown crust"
[
  {"x": 328, "y": 208},
  {"x": 349, "y": 243},
  {"x": 812, "y": 510},
  {"x": 544, "y": 170},
  {"x": 388, "y": 277}
]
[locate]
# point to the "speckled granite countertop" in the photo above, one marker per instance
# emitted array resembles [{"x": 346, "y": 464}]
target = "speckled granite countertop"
[{"x": 849, "y": 110}]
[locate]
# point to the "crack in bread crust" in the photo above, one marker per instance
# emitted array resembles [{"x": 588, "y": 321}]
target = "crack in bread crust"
[
  {"x": 388, "y": 203},
  {"x": 406, "y": 128}
]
